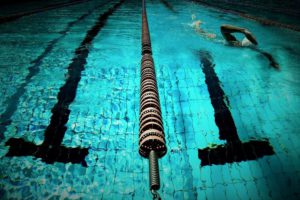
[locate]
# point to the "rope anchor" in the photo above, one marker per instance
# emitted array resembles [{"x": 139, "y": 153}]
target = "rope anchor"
[{"x": 155, "y": 195}]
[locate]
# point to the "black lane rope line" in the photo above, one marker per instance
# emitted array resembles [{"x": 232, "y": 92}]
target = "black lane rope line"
[
  {"x": 46, "y": 8},
  {"x": 263, "y": 21},
  {"x": 233, "y": 150},
  {"x": 12, "y": 102},
  {"x": 168, "y": 5},
  {"x": 51, "y": 150}
]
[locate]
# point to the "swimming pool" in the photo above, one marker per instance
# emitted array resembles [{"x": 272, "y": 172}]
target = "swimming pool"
[{"x": 98, "y": 45}]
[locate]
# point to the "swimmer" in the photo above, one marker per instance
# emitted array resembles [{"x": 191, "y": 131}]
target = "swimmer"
[
  {"x": 227, "y": 30},
  {"x": 196, "y": 26},
  {"x": 195, "y": 23},
  {"x": 248, "y": 41}
]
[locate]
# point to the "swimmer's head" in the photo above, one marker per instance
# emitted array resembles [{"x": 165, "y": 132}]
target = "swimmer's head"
[{"x": 198, "y": 22}]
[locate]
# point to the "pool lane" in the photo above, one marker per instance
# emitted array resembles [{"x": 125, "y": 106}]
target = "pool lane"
[
  {"x": 249, "y": 83},
  {"x": 13, "y": 101},
  {"x": 234, "y": 150},
  {"x": 29, "y": 49},
  {"x": 51, "y": 150},
  {"x": 109, "y": 123},
  {"x": 103, "y": 118}
]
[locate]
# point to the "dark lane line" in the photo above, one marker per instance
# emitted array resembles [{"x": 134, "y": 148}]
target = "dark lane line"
[
  {"x": 13, "y": 101},
  {"x": 219, "y": 101},
  {"x": 46, "y": 8},
  {"x": 233, "y": 150},
  {"x": 168, "y": 5},
  {"x": 67, "y": 92},
  {"x": 51, "y": 150}
]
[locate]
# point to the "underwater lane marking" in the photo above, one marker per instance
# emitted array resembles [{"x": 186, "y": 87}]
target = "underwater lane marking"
[
  {"x": 51, "y": 150},
  {"x": 13, "y": 101},
  {"x": 46, "y": 8},
  {"x": 233, "y": 150},
  {"x": 168, "y": 5}
]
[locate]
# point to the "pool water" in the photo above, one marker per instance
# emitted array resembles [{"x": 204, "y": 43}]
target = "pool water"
[{"x": 47, "y": 51}]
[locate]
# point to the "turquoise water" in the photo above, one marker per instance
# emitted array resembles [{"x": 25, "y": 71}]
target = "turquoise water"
[{"x": 104, "y": 115}]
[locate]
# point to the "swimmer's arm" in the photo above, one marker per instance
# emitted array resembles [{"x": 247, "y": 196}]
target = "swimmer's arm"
[
  {"x": 226, "y": 31},
  {"x": 226, "y": 28}
]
